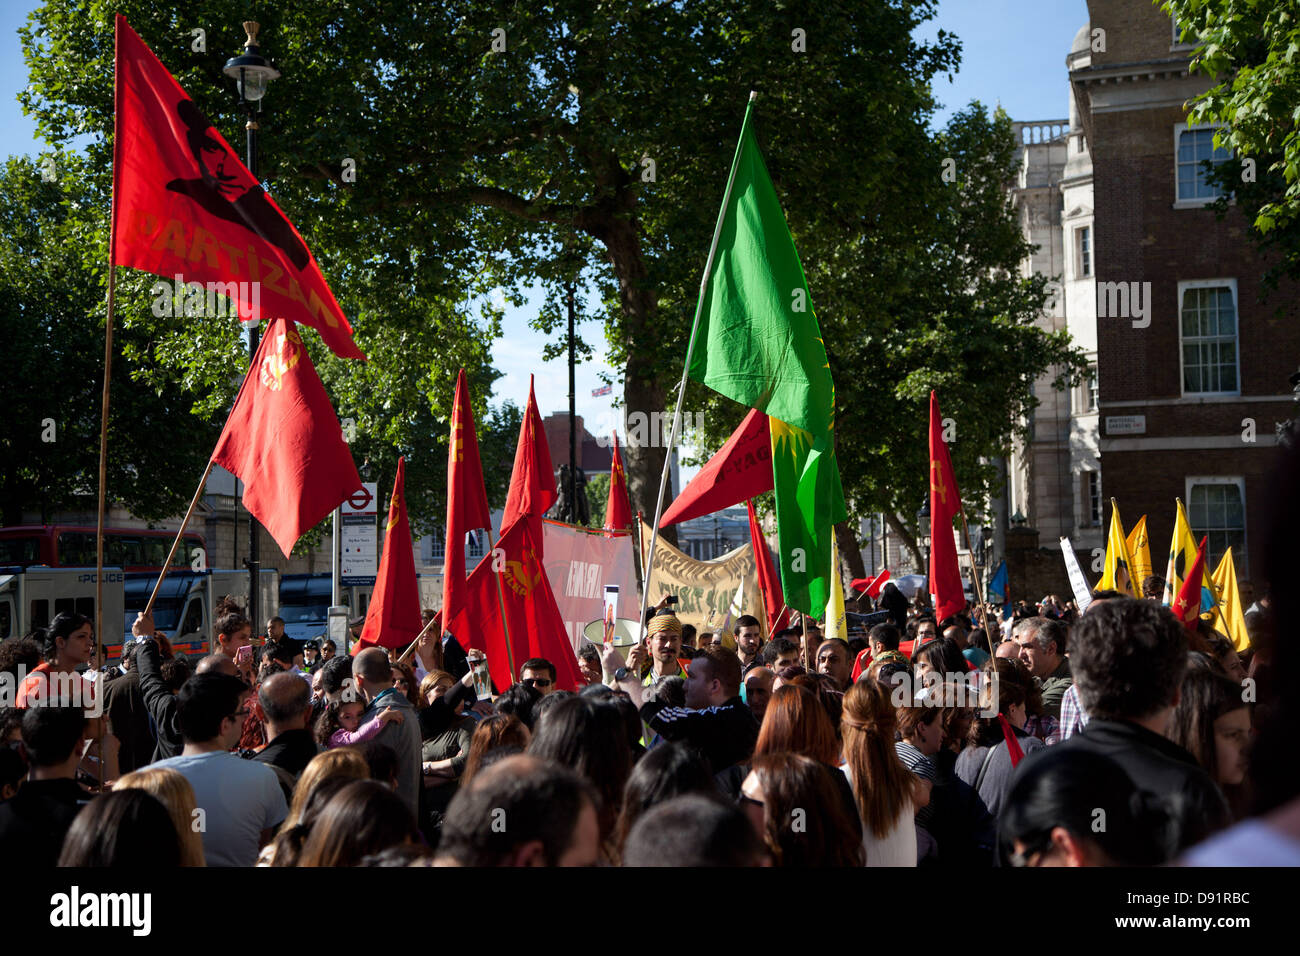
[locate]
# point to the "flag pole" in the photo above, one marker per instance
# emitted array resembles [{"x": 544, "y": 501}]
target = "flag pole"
[
  {"x": 167, "y": 563},
  {"x": 681, "y": 389},
  {"x": 411, "y": 650},
  {"x": 108, "y": 375},
  {"x": 501, "y": 603},
  {"x": 979, "y": 587}
]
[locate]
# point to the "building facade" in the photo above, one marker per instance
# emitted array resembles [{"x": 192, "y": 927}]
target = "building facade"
[{"x": 1193, "y": 361}]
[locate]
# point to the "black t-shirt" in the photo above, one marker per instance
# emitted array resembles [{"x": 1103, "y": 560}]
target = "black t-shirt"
[
  {"x": 726, "y": 734},
  {"x": 34, "y": 823}
]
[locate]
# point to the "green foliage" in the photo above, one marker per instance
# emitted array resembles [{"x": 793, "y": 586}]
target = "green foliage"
[
  {"x": 53, "y": 258},
  {"x": 1249, "y": 50},
  {"x": 597, "y": 498}
]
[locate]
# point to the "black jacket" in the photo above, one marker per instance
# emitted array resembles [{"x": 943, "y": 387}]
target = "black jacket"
[
  {"x": 160, "y": 701},
  {"x": 726, "y": 734},
  {"x": 128, "y": 717},
  {"x": 1160, "y": 767},
  {"x": 34, "y": 823},
  {"x": 290, "y": 751}
]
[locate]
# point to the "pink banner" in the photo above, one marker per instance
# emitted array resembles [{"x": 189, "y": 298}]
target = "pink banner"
[{"x": 579, "y": 563}]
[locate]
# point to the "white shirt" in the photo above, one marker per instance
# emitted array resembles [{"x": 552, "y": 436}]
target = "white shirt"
[{"x": 898, "y": 846}]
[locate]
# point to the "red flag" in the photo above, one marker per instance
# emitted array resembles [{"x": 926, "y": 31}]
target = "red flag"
[
  {"x": 284, "y": 441},
  {"x": 618, "y": 510},
  {"x": 871, "y": 585},
  {"x": 393, "y": 619},
  {"x": 185, "y": 206},
  {"x": 740, "y": 470},
  {"x": 768, "y": 580},
  {"x": 532, "y": 483},
  {"x": 1188, "y": 605},
  {"x": 945, "y": 504},
  {"x": 536, "y": 625},
  {"x": 467, "y": 504}
]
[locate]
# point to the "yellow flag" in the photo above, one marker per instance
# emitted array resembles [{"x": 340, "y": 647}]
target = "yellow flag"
[
  {"x": 836, "y": 625},
  {"x": 1116, "y": 574},
  {"x": 1139, "y": 550},
  {"x": 1227, "y": 617},
  {"x": 1182, "y": 552}
]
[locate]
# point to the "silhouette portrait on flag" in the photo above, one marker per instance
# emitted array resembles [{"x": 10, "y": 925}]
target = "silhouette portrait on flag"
[{"x": 214, "y": 188}]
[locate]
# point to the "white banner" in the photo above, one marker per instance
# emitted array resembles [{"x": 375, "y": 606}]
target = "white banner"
[{"x": 1082, "y": 593}]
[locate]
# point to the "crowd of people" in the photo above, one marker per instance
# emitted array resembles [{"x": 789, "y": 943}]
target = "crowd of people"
[{"x": 1111, "y": 737}]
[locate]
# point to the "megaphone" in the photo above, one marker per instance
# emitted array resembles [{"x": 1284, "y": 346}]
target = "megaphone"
[{"x": 625, "y": 632}]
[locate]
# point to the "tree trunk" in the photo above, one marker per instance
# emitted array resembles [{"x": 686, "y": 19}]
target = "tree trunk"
[
  {"x": 904, "y": 535},
  {"x": 643, "y": 393}
]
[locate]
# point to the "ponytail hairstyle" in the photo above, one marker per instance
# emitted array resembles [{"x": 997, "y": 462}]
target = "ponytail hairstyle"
[{"x": 882, "y": 786}]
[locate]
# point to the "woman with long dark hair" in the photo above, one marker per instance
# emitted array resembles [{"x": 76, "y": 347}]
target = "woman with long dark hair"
[
  {"x": 127, "y": 829},
  {"x": 885, "y": 791},
  {"x": 1212, "y": 723},
  {"x": 794, "y": 802},
  {"x": 364, "y": 817}
]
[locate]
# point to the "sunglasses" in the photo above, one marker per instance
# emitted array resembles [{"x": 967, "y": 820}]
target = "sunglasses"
[{"x": 536, "y": 682}]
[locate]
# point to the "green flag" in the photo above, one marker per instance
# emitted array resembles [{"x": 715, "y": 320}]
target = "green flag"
[{"x": 757, "y": 341}]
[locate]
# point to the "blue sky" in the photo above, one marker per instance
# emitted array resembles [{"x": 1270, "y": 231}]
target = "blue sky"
[{"x": 1013, "y": 54}]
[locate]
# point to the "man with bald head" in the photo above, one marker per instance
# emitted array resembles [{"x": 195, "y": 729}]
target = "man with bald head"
[
  {"x": 286, "y": 703},
  {"x": 1008, "y": 650},
  {"x": 758, "y": 690},
  {"x": 373, "y": 677}
]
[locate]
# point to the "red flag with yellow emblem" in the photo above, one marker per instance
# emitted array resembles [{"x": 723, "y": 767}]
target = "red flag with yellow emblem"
[
  {"x": 618, "y": 510},
  {"x": 535, "y": 622},
  {"x": 945, "y": 505},
  {"x": 393, "y": 619},
  {"x": 284, "y": 441},
  {"x": 467, "y": 504}
]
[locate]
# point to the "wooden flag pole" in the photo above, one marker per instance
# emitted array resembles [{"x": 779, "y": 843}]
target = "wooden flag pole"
[
  {"x": 681, "y": 389},
  {"x": 411, "y": 650},
  {"x": 979, "y": 587},
  {"x": 180, "y": 532},
  {"x": 501, "y": 602}
]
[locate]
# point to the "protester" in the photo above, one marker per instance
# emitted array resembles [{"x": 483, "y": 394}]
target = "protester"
[
  {"x": 591, "y": 739},
  {"x": 493, "y": 733},
  {"x": 886, "y": 794},
  {"x": 362, "y": 818},
  {"x": 518, "y": 700},
  {"x": 667, "y": 771},
  {"x": 1051, "y": 818},
  {"x": 538, "y": 673},
  {"x": 126, "y": 830},
  {"x": 1212, "y": 722},
  {"x": 758, "y": 690},
  {"x": 552, "y": 815},
  {"x": 35, "y": 821},
  {"x": 286, "y": 703},
  {"x": 694, "y": 831},
  {"x": 340, "y": 724},
  {"x": 794, "y": 802},
  {"x": 443, "y": 757},
  {"x": 374, "y": 677},
  {"x": 749, "y": 640},
  {"x": 241, "y": 799},
  {"x": 996, "y": 745},
  {"x": 1042, "y": 649},
  {"x": 833, "y": 659},
  {"x": 128, "y": 715},
  {"x": 1128, "y": 659},
  {"x": 715, "y": 720},
  {"x": 779, "y": 653},
  {"x": 175, "y": 793},
  {"x": 286, "y": 849}
]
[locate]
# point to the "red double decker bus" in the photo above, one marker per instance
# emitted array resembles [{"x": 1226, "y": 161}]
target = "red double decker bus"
[{"x": 70, "y": 546}]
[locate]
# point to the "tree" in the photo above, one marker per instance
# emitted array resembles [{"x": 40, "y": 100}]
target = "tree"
[
  {"x": 53, "y": 255},
  {"x": 1249, "y": 51},
  {"x": 500, "y": 146},
  {"x": 598, "y": 498}
]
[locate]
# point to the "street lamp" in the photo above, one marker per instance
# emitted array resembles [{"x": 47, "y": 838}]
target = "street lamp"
[{"x": 252, "y": 74}]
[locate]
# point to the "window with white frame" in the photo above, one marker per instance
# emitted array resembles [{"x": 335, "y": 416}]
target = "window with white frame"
[
  {"x": 434, "y": 547},
  {"x": 1194, "y": 147},
  {"x": 1178, "y": 35},
  {"x": 1208, "y": 336},
  {"x": 1093, "y": 392},
  {"x": 1083, "y": 250},
  {"x": 477, "y": 541},
  {"x": 1216, "y": 509},
  {"x": 1092, "y": 499}
]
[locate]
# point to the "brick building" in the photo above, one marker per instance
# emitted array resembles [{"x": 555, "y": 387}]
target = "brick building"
[{"x": 1193, "y": 362}]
